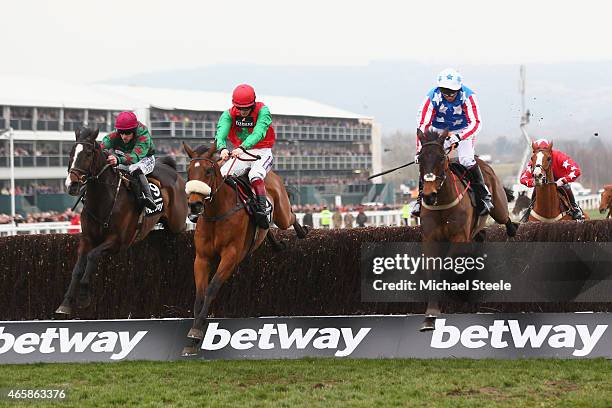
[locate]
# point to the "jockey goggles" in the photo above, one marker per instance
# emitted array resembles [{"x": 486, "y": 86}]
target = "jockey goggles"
[
  {"x": 126, "y": 131},
  {"x": 448, "y": 92}
]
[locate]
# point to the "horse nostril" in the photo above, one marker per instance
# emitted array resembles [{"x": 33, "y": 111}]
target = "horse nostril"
[
  {"x": 196, "y": 207},
  {"x": 430, "y": 199}
]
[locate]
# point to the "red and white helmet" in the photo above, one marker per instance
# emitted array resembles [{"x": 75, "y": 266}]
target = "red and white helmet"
[
  {"x": 126, "y": 120},
  {"x": 243, "y": 96},
  {"x": 450, "y": 79},
  {"x": 542, "y": 144}
]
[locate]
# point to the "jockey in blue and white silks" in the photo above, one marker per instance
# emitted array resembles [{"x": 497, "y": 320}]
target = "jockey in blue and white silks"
[
  {"x": 461, "y": 116},
  {"x": 453, "y": 106}
]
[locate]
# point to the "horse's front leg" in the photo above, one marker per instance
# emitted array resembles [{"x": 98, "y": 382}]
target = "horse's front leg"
[
  {"x": 201, "y": 271},
  {"x": 84, "y": 298},
  {"x": 229, "y": 262},
  {"x": 79, "y": 268}
]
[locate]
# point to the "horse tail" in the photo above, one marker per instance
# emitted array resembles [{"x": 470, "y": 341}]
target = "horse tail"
[
  {"x": 168, "y": 161},
  {"x": 509, "y": 194}
]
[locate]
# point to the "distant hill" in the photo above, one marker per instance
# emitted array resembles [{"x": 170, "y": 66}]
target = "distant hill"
[{"x": 569, "y": 100}]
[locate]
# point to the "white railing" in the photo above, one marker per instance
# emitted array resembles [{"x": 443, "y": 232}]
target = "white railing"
[
  {"x": 375, "y": 219},
  {"x": 38, "y": 228},
  {"x": 589, "y": 202}
]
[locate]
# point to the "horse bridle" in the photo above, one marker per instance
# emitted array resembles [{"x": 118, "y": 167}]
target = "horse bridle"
[
  {"x": 535, "y": 166},
  {"x": 84, "y": 176},
  {"x": 432, "y": 176},
  {"x": 217, "y": 184}
]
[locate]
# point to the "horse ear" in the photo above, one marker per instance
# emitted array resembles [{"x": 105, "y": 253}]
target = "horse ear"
[
  {"x": 77, "y": 133},
  {"x": 188, "y": 150},
  {"x": 443, "y": 135},
  {"x": 420, "y": 135},
  {"x": 550, "y": 146},
  {"x": 212, "y": 150},
  {"x": 94, "y": 134}
]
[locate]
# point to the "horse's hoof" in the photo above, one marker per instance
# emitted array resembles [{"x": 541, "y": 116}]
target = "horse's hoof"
[
  {"x": 189, "y": 351},
  {"x": 428, "y": 324},
  {"x": 511, "y": 228},
  {"x": 64, "y": 310},
  {"x": 83, "y": 302},
  {"x": 196, "y": 334},
  {"x": 304, "y": 231}
]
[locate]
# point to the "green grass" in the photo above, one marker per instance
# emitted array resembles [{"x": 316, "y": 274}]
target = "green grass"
[
  {"x": 595, "y": 215},
  {"x": 323, "y": 382}
]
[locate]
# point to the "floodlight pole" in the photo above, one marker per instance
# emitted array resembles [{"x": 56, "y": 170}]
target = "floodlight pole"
[
  {"x": 12, "y": 166},
  {"x": 525, "y": 114}
]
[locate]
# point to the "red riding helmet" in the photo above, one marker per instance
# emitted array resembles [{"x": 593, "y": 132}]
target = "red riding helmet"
[
  {"x": 542, "y": 144},
  {"x": 243, "y": 96},
  {"x": 126, "y": 120}
]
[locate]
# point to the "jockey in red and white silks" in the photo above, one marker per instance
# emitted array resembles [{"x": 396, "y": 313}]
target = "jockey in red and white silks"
[{"x": 565, "y": 170}]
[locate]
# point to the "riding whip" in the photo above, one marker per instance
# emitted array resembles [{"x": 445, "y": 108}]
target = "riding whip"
[{"x": 389, "y": 171}]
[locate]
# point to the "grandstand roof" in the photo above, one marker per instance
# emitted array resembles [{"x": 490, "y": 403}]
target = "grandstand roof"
[{"x": 24, "y": 91}]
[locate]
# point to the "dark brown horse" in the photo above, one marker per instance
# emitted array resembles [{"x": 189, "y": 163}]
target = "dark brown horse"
[
  {"x": 606, "y": 201},
  {"x": 447, "y": 214},
  {"x": 224, "y": 234},
  {"x": 112, "y": 218},
  {"x": 551, "y": 203}
]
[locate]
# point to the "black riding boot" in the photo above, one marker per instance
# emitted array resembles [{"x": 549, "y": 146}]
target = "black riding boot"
[
  {"x": 575, "y": 211},
  {"x": 261, "y": 213},
  {"x": 147, "y": 198},
  {"x": 416, "y": 210},
  {"x": 483, "y": 195}
]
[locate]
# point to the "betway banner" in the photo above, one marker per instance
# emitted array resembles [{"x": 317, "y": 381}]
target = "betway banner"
[{"x": 546, "y": 335}]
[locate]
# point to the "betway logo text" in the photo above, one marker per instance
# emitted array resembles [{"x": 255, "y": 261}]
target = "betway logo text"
[
  {"x": 61, "y": 340},
  {"x": 270, "y": 335},
  {"x": 499, "y": 334}
]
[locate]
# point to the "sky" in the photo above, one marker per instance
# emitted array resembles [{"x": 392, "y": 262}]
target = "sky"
[{"x": 90, "y": 41}]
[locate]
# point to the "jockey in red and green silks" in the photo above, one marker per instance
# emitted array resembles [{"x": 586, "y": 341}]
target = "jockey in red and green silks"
[
  {"x": 248, "y": 125},
  {"x": 130, "y": 144}
]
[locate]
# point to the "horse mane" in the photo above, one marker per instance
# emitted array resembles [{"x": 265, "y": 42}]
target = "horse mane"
[
  {"x": 430, "y": 136},
  {"x": 168, "y": 161}
]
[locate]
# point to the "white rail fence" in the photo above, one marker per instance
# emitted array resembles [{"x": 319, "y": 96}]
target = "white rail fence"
[{"x": 375, "y": 218}]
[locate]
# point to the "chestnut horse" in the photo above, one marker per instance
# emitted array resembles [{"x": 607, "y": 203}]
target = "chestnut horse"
[
  {"x": 447, "y": 214},
  {"x": 551, "y": 203},
  {"x": 606, "y": 201},
  {"x": 224, "y": 234},
  {"x": 112, "y": 219}
]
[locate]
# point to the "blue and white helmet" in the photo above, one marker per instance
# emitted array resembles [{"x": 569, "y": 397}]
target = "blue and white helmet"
[{"x": 450, "y": 78}]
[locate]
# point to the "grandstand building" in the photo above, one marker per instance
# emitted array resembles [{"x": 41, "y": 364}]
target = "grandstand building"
[{"x": 323, "y": 152}]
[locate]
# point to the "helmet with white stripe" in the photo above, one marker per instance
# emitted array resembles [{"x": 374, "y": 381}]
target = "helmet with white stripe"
[{"x": 450, "y": 79}]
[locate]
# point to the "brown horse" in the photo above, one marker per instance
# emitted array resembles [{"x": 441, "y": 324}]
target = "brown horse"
[
  {"x": 112, "y": 218},
  {"x": 224, "y": 234},
  {"x": 447, "y": 213},
  {"x": 551, "y": 203},
  {"x": 606, "y": 201}
]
